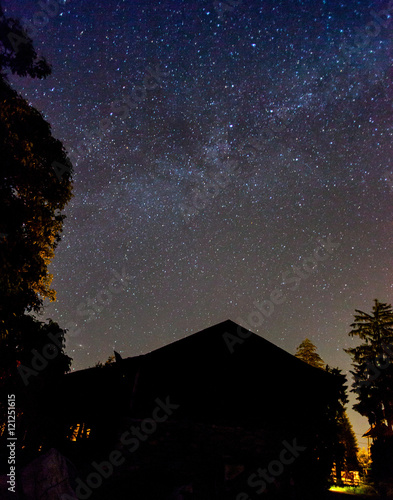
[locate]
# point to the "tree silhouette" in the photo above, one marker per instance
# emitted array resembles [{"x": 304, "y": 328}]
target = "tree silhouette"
[
  {"x": 32, "y": 193},
  {"x": 33, "y": 362},
  {"x": 344, "y": 441},
  {"x": 35, "y": 186},
  {"x": 373, "y": 371},
  {"x": 110, "y": 361},
  {"x": 364, "y": 463},
  {"x": 339, "y": 435},
  {"x": 307, "y": 352},
  {"x": 17, "y": 53},
  {"x": 31, "y": 199},
  {"x": 373, "y": 382},
  {"x": 349, "y": 444}
]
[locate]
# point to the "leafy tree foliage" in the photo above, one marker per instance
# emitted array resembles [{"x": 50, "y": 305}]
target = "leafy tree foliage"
[
  {"x": 35, "y": 186},
  {"x": 364, "y": 463},
  {"x": 307, "y": 352},
  {"x": 17, "y": 53},
  {"x": 32, "y": 191},
  {"x": 31, "y": 199},
  {"x": 32, "y": 363},
  {"x": 108, "y": 362}
]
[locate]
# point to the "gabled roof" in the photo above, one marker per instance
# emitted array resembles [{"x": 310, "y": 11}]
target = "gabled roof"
[
  {"x": 229, "y": 339},
  {"x": 223, "y": 374}
]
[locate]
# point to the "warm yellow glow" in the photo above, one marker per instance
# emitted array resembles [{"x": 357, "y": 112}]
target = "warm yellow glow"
[
  {"x": 349, "y": 478},
  {"x": 362, "y": 489},
  {"x": 79, "y": 431},
  {"x": 74, "y": 432}
]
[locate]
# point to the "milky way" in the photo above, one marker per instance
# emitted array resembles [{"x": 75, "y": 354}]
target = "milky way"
[{"x": 214, "y": 145}]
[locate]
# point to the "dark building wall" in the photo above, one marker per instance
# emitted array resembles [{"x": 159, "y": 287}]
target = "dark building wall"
[{"x": 234, "y": 409}]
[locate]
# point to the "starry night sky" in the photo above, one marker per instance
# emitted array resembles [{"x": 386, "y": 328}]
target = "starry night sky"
[{"x": 285, "y": 105}]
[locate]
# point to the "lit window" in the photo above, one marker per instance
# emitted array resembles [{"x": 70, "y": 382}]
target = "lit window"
[{"x": 78, "y": 431}]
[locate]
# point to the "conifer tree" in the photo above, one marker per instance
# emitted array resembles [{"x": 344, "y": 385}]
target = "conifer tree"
[
  {"x": 343, "y": 440},
  {"x": 307, "y": 352}
]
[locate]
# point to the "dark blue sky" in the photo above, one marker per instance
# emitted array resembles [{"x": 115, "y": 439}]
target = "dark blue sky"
[{"x": 212, "y": 154}]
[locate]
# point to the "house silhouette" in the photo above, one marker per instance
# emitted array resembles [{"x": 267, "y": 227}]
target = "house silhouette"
[{"x": 198, "y": 417}]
